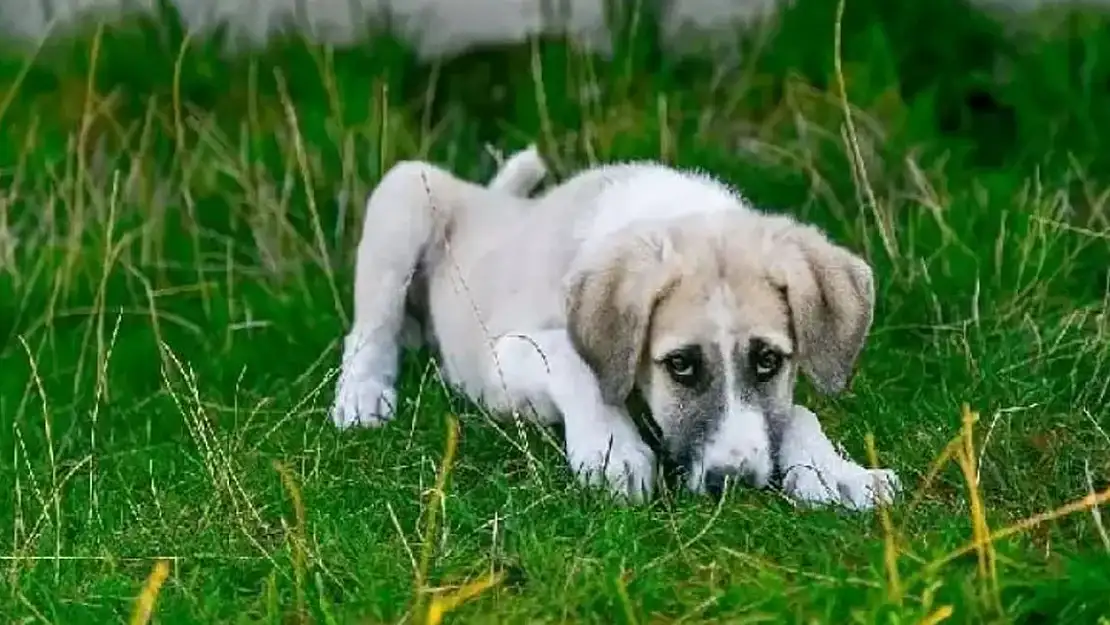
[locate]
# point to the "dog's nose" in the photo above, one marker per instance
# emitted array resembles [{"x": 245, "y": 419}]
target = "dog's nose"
[{"x": 717, "y": 479}]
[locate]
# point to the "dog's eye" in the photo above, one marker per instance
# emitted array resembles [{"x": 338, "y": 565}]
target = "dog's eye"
[
  {"x": 765, "y": 361},
  {"x": 683, "y": 366}
]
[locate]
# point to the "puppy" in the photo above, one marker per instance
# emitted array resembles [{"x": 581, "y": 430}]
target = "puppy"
[{"x": 626, "y": 278}]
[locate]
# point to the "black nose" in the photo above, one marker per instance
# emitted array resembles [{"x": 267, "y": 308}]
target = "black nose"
[{"x": 717, "y": 479}]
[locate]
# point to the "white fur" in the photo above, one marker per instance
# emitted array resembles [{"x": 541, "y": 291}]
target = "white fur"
[
  {"x": 517, "y": 176},
  {"x": 814, "y": 472},
  {"x": 741, "y": 439},
  {"x": 602, "y": 443},
  {"x": 369, "y": 351},
  {"x": 497, "y": 263},
  {"x": 656, "y": 195},
  {"x": 493, "y": 343},
  {"x": 521, "y": 173}
]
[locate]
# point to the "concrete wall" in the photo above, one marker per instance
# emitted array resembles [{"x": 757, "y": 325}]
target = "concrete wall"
[{"x": 434, "y": 27}]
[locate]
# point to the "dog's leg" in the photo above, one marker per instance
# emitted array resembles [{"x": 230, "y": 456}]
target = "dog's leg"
[
  {"x": 517, "y": 176},
  {"x": 407, "y": 212},
  {"x": 602, "y": 443},
  {"x": 814, "y": 472}
]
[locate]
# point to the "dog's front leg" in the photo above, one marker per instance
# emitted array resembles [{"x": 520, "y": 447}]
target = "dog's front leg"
[
  {"x": 603, "y": 446},
  {"x": 814, "y": 472},
  {"x": 405, "y": 214}
]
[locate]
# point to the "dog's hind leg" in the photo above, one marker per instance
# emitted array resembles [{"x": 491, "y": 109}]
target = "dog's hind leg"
[
  {"x": 409, "y": 213},
  {"x": 517, "y": 176}
]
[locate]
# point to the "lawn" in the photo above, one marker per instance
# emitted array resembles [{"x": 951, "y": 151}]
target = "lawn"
[{"x": 176, "y": 243}]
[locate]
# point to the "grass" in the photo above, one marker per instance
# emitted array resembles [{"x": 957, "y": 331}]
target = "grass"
[{"x": 176, "y": 244}]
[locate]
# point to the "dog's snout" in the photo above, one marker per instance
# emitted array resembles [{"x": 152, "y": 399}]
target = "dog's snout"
[{"x": 717, "y": 479}]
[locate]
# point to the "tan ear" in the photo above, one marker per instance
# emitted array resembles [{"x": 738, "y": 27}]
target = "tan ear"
[
  {"x": 609, "y": 304},
  {"x": 831, "y": 294}
]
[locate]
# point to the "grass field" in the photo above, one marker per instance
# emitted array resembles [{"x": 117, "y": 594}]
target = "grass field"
[{"x": 176, "y": 245}]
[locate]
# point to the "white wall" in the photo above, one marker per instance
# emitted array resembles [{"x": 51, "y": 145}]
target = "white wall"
[{"x": 434, "y": 27}]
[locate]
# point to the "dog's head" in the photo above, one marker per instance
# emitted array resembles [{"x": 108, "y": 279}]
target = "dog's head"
[{"x": 709, "y": 318}]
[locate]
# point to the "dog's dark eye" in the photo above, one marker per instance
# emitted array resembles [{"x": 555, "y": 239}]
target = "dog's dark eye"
[
  {"x": 765, "y": 361},
  {"x": 684, "y": 366}
]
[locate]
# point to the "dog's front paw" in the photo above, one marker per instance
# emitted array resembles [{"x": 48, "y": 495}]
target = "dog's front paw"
[
  {"x": 366, "y": 403},
  {"x": 364, "y": 394},
  {"x": 850, "y": 485},
  {"x": 622, "y": 462}
]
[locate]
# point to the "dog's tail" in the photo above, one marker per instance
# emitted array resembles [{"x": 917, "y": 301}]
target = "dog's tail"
[{"x": 521, "y": 173}]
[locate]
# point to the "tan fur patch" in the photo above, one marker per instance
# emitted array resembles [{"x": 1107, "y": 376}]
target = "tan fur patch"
[{"x": 787, "y": 283}]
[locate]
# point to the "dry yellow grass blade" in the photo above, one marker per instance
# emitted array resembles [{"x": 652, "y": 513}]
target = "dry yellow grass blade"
[
  {"x": 962, "y": 450},
  {"x": 855, "y": 155},
  {"x": 1079, "y": 505},
  {"x": 431, "y": 524},
  {"x": 144, "y": 604},
  {"x": 443, "y": 604},
  {"x": 626, "y": 601},
  {"x": 298, "y": 540},
  {"x": 941, "y": 614},
  {"x": 890, "y": 543},
  {"x": 980, "y": 529}
]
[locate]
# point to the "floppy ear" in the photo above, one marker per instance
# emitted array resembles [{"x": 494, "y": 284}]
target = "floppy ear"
[
  {"x": 610, "y": 299},
  {"x": 831, "y": 295}
]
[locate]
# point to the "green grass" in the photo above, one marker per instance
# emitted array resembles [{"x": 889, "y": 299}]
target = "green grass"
[{"x": 176, "y": 244}]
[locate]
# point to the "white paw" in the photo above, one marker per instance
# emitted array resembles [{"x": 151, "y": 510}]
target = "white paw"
[
  {"x": 622, "y": 462},
  {"x": 364, "y": 394},
  {"x": 850, "y": 485},
  {"x": 367, "y": 403}
]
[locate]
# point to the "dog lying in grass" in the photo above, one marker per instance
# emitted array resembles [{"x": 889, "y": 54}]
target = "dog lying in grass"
[{"x": 626, "y": 278}]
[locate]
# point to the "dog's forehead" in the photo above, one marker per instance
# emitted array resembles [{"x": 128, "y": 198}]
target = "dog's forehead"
[{"x": 719, "y": 294}]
